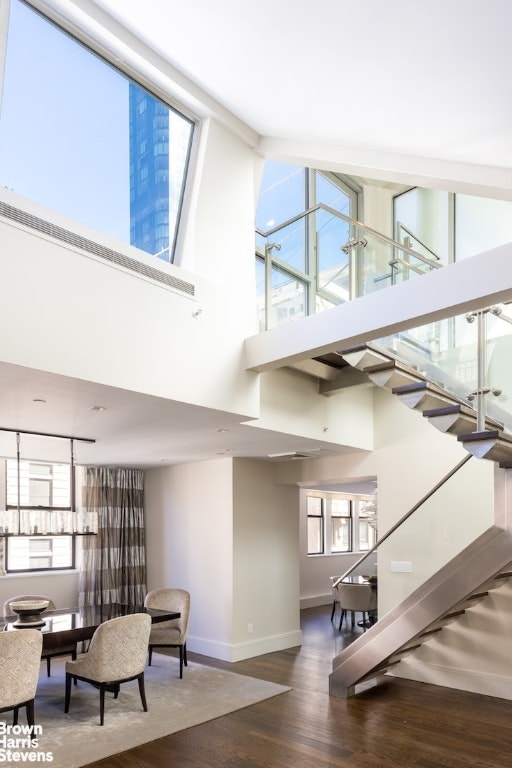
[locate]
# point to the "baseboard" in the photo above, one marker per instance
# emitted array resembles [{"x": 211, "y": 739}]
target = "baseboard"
[
  {"x": 461, "y": 679},
  {"x": 315, "y": 600},
  {"x": 245, "y": 650}
]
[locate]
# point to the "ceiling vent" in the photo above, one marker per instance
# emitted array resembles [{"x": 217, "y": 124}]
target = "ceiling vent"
[{"x": 89, "y": 246}]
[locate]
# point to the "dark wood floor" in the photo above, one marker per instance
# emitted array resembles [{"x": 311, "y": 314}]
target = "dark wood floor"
[{"x": 399, "y": 724}]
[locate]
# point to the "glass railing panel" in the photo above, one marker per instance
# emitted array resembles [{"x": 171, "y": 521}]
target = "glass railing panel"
[
  {"x": 288, "y": 298},
  {"x": 338, "y": 258},
  {"x": 447, "y": 352},
  {"x": 498, "y": 355},
  {"x": 288, "y": 245},
  {"x": 333, "y": 269}
]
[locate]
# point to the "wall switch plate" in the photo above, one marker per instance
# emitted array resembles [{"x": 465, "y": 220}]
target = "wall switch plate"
[{"x": 401, "y": 566}]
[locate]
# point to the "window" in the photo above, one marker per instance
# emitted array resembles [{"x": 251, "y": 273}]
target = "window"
[
  {"x": 44, "y": 500},
  {"x": 341, "y": 525},
  {"x": 338, "y": 523},
  {"x": 315, "y": 509},
  {"x": 95, "y": 131},
  {"x": 305, "y": 252}
]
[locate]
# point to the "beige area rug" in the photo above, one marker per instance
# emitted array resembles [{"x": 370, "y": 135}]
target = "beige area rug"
[{"x": 76, "y": 739}]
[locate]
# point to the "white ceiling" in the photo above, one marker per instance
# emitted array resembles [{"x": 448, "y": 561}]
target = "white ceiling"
[
  {"x": 404, "y": 90},
  {"x": 371, "y": 80}
]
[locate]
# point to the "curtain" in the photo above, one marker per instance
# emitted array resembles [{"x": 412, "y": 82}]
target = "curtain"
[{"x": 114, "y": 560}]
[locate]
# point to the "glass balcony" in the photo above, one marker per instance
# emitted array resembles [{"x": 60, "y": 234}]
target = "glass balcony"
[{"x": 322, "y": 258}]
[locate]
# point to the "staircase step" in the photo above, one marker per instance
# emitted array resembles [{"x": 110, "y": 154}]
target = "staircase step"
[
  {"x": 490, "y": 444},
  {"x": 391, "y": 373},
  {"x": 456, "y": 419},
  {"x": 423, "y": 395},
  {"x": 376, "y": 671},
  {"x": 362, "y": 356}
]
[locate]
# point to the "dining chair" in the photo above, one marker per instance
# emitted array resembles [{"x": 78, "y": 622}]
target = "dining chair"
[
  {"x": 117, "y": 654},
  {"x": 20, "y": 662},
  {"x": 335, "y": 596},
  {"x": 357, "y": 598},
  {"x": 170, "y": 634},
  {"x": 65, "y": 650}
]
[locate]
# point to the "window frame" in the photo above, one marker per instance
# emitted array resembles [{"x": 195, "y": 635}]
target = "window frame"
[
  {"x": 355, "y": 504},
  {"x": 127, "y": 66}
]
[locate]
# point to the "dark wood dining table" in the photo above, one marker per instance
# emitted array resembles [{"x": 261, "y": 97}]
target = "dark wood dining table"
[{"x": 64, "y": 626}]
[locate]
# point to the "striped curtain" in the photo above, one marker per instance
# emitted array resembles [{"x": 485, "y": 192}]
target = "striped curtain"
[{"x": 114, "y": 560}]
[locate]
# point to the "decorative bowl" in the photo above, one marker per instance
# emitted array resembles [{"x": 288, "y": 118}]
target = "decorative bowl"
[{"x": 28, "y": 612}]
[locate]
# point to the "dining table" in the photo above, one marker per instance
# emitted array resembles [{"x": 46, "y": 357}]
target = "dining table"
[{"x": 64, "y": 626}]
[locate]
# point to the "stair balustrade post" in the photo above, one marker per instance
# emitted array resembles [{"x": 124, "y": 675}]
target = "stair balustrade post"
[{"x": 481, "y": 368}]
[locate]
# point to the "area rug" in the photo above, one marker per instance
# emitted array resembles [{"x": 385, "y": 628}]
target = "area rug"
[{"x": 76, "y": 739}]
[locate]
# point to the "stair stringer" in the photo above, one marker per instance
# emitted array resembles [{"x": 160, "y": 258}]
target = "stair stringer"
[{"x": 377, "y": 649}]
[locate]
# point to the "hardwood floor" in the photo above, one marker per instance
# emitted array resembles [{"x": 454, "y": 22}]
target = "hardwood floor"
[{"x": 398, "y": 724}]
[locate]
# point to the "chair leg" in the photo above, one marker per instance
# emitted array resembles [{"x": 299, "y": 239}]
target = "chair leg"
[
  {"x": 67, "y": 698},
  {"x": 102, "y": 703},
  {"x": 15, "y": 716},
  {"x": 333, "y": 609},
  {"x": 48, "y": 665},
  {"x": 185, "y": 654},
  {"x": 30, "y": 712},
  {"x": 342, "y": 616},
  {"x": 181, "y": 661},
  {"x": 150, "y": 654},
  {"x": 142, "y": 692}
]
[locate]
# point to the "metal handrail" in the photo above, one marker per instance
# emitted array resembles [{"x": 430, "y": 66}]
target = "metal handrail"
[
  {"x": 405, "y": 517},
  {"x": 354, "y": 223},
  {"x": 411, "y": 233}
]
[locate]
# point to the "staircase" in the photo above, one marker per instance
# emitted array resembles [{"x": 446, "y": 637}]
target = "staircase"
[{"x": 485, "y": 565}]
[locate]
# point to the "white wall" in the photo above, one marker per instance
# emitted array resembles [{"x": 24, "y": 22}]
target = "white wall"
[
  {"x": 189, "y": 530},
  {"x": 266, "y": 604},
  {"x": 92, "y": 315},
  {"x": 412, "y": 456},
  {"x": 291, "y": 403},
  {"x": 221, "y": 530}
]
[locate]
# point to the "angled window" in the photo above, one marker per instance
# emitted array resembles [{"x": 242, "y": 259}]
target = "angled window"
[{"x": 80, "y": 138}]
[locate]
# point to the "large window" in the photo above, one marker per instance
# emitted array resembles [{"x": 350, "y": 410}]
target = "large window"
[
  {"x": 80, "y": 138},
  {"x": 44, "y": 497},
  {"x": 306, "y": 269},
  {"x": 338, "y": 523}
]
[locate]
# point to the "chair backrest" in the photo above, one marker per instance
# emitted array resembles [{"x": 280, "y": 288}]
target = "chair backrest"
[
  {"x": 171, "y": 600},
  {"x": 357, "y": 597},
  {"x": 20, "y": 661},
  {"x": 119, "y": 647},
  {"x": 7, "y": 609}
]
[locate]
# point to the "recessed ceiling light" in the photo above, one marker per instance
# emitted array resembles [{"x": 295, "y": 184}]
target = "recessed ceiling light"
[
  {"x": 38, "y": 400},
  {"x": 98, "y": 408},
  {"x": 220, "y": 430}
]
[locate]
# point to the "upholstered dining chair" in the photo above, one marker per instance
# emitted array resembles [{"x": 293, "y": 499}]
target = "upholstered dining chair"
[
  {"x": 64, "y": 650},
  {"x": 170, "y": 634},
  {"x": 357, "y": 598},
  {"x": 20, "y": 662},
  {"x": 117, "y": 654}
]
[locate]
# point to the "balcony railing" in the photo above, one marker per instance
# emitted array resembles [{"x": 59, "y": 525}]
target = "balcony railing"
[{"x": 321, "y": 258}]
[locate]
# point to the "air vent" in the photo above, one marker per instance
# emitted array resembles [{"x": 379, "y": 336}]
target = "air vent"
[
  {"x": 113, "y": 257},
  {"x": 291, "y": 455}
]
